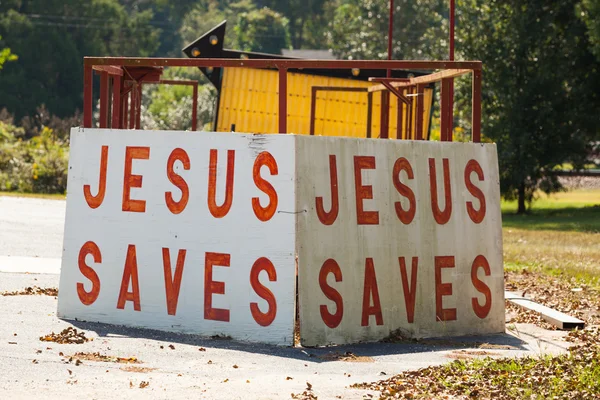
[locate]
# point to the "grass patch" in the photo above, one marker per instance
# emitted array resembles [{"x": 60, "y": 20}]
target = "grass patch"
[
  {"x": 557, "y": 253},
  {"x": 34, "y": 195},
  {"x": 574, "y": 211},
  {"x": 575, "y": 375}
]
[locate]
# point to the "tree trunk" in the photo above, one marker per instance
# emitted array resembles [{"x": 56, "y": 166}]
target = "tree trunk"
[{"x": 522, "y": 209}]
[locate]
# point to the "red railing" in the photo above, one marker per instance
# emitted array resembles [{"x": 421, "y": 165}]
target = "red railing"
[{"x": 148, "y": 70}]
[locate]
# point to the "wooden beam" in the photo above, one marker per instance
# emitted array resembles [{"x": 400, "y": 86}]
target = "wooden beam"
[
  {"x": 111, "y": 70},
  {"x": 431, "y": 78},
  {"x": 556, "y": 318}
]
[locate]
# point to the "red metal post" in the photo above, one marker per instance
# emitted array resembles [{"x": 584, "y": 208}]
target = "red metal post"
[
  {"x": 132, "y": 107},
  {"x": 313, "y": 109},
  {"x": 116, "y": 102},
  {"x": 103, "y": 99},
  {"x": 195, "y": 108},
  {"x": 409, "y": 114},
  {"x": 125, "y": 110},
  {"x": 369, "y": 113},
  {"x": 419, "y": 112},
  {"x": 450, "y": 86},
  {"x": 385, "y": 115},
  {"x": 446, "y": 111},
  {"x": 476, "y": 113},
  {"x": 138, "y": 105},
  {"x": 88, "y": 84},
  {"x": 282, "y": 100},
  {"x": 399, "y": 119}
]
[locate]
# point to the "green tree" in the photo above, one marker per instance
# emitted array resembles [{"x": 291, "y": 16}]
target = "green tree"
[
  {"x": 307, "y": 20},
  {"x": 541, "y": 85},
  {"x": 52, "y": 37},
  {"x": 589, "y": 10},
  {"x": 6, "y": 55},
  {"x": 262, "y": 30},
  {"x": 359, "y": 29}
]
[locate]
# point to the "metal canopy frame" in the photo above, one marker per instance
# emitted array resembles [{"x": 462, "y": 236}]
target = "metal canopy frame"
[{"x": 114, "y": 67}]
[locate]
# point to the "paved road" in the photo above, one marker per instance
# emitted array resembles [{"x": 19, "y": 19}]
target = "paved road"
[
  {"x": 31, "y": 227},
  {"x": 31, "y": 368}
]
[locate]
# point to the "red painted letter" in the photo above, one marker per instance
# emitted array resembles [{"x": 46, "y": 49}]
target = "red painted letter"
[
  {"x": 96, "y": 201},
  {"x": 371, "y": 287},
  {"x": 173, "y": 283},
  {"x": 410, "y": 292},
  {"x": 88, "y": 298},
  {"x": 263, "y": 319},
  {"x": 443, "y": 289},
  {"x": 364, "y": 192},
  {"x": 328, "y": 218},
  {"x": 129, "y": 180},
  {"x": 215, "y": 210},
  {"x": 177, "y": 207},
  {"x": 406, "y": 217},
  {"x": 330, "y": 266},
  {"x": 130, "y": 273},
  {"x": 481, "y": 311},
  {"x": 213, "y": 287},
  {"x": 476, "y": 215},
  {"x": 265, "y": 213},
  {"x": 441, "y": 217}
]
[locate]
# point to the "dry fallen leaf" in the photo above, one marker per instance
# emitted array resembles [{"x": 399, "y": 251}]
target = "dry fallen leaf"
[
  {"x": 288, "y": 378},
  {"x": 235, "y": 366},
  {"x": 71, "y": 372},
  {"x": 172, "y": 347},
  {"x": 201, "y": 349},
  {"x": 144, "y": 384},
  {"x": 226, "y": 380}
]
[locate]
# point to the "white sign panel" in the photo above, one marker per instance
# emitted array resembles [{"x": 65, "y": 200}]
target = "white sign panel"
[
  {"x": 179, "y": 231},
  {"x": 397, "y": 236}
]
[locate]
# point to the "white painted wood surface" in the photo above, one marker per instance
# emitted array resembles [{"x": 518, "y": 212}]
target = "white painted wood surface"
[
  {"x": 240, "y": 233},
  {"x": 556, "y": 318},
  {"x": 350, "y": 244}
]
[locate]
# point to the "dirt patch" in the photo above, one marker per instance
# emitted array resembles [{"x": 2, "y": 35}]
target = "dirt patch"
[
  {"x": 69, "y": 335},
  {"x": 470, "y": 354},
  {"x": 347, "y": 356},
  {"x": 33, "y": 291},
  {"x": 567, "y": 296},
  {"x": 133, "y": 368},
  {"x": 104, "y": 358}
]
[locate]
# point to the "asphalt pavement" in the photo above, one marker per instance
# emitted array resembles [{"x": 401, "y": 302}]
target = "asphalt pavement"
[{"x": 184, "y": 366}]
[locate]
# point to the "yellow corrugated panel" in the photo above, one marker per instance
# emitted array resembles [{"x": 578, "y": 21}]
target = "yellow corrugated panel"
[{"x": 250, "y": 101}]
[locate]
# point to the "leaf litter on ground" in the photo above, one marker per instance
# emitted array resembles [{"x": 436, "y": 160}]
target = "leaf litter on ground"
[{"x": 68, "y": 335}]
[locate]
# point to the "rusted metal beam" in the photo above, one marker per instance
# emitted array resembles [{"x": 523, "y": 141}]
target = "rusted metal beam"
[
  {"x": 384, "y": 123},
  {"x": 431, "y": 78},
  {"x": 476, "y": 108},
  {"x": 282, "y": 100},
  {"x": 419, "y": 111},
  {"x": 103, "y": 100},
  {"x": 111, "y": 70},
  {"x": 396, "y": 92},
  {"x": 88, "y": 84},
  {"x": 313, "y": 109},
  {"x": 369, "y": 113},
  {"x": 282, "y": 63},
  {"x": 116, "y": 102},
  {"x": 446, "y": 111},
  {"x": 195, "y": 107}
]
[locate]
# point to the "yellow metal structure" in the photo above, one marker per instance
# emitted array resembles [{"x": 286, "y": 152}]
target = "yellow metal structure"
[{"x": 249, "y": 100}]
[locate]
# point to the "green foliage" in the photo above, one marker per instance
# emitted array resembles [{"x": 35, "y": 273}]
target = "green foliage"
[
  {"x": 541, "y": 85},
  {"x": 6, "y": 55},
  {"x": 359, "y": 29},
  {"x": 51, "y": 38},
  {"x": 37, "y": 165},
  {"x": 262, "y": 30},
  {"x": 589, "y": 10}
]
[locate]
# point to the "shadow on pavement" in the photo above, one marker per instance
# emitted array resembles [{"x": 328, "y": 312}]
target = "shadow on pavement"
[{"x": 501, "y": 341}]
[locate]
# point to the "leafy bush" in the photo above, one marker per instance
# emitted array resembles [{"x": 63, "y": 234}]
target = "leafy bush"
[{"x": 37, "y": 165}]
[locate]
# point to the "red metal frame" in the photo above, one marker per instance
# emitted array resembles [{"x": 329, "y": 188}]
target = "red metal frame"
[{"x": 113, "y": 66}]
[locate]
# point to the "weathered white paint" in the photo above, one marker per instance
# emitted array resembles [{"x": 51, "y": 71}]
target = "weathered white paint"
[
  {"x": 239, "y": 233},
  {"x": 294, "y": 233},
  {"x": 350, "y": 244}
]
